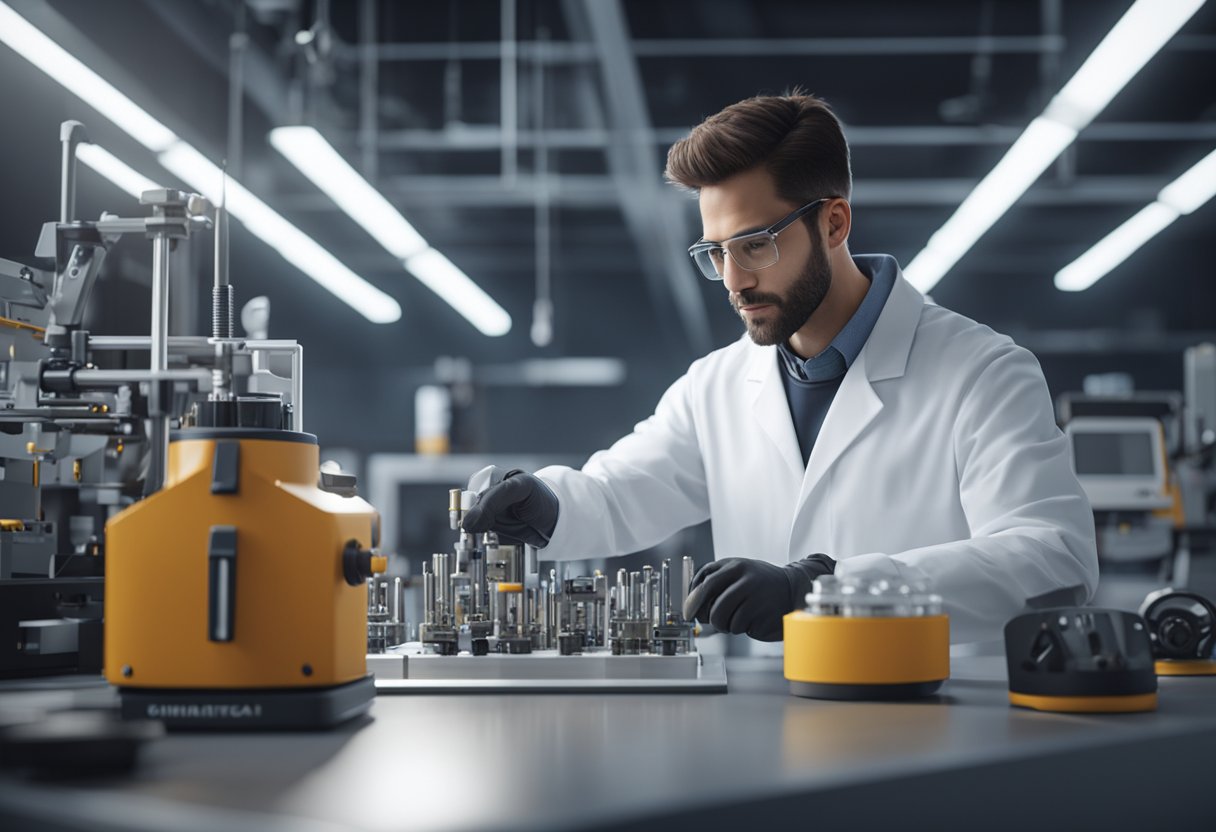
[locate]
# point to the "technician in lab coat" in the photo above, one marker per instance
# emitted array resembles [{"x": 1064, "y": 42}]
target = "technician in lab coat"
[{"x": 856, "y": 427}]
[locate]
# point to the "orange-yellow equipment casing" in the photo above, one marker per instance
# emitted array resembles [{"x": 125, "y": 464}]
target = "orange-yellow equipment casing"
[
  {"x": 834, "y": 650},
  {"x": 296, "y": 621}
]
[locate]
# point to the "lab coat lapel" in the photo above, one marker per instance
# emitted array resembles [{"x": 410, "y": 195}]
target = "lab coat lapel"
[
  {"x": 856, "y": 405},
  {"x": 771, "y": 408}
]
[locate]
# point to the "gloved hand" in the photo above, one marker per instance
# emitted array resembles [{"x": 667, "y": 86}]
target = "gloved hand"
[
  {"x": 515, "y": 504},
  {"x": 742, "y": 595}
]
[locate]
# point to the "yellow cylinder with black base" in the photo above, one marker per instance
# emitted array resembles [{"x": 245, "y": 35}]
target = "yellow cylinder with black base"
[
  {"x": 866, "y": 658},
  {"x": 240, "y": 573},
  {"x": 867, "y": 640}
]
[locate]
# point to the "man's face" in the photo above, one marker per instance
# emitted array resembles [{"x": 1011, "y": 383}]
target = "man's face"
[{"x": 774, "y": 302}]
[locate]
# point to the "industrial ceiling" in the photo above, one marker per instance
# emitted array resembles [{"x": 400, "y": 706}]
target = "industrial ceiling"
[{"x": 526, "y": 139}]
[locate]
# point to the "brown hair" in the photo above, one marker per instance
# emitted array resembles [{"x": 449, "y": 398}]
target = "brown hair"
[{"x": 795, "y": 136}]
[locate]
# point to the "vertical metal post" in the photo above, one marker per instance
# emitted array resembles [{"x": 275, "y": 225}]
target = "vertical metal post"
[
  {"x": 71, "y": 133},
  {"x": 158, "y": 435},
  {"x": 238, "y": 42},
  {"x": 369, "y": 78},
  {"x": 510, "y": 127}
]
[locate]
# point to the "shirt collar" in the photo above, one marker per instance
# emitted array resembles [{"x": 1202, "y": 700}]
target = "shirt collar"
[{"x": 839, "y": 355}]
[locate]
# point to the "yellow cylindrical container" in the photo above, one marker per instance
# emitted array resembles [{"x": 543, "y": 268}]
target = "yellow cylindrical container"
[{"x": 869, "y": 641}]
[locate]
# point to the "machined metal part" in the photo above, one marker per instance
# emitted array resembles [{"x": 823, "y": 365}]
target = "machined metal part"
[{"x": 487, "y": 597}]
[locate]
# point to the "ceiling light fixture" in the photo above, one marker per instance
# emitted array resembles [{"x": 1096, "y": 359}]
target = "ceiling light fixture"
[
  {"x": 1129, "y": 45},
  {"x": 114, "y": 169},
  {"x": 1182, "y": 196},
  {"x": 462, "y": 294},
  {"x": 296, "y": 247},
  {"x": 30, "y": 43},
  {"x": 185, "y": 162},
  {"x": 322, "y": 165}
]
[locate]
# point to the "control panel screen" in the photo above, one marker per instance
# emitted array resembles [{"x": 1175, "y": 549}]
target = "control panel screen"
[{"x": 1103, "y": 454}]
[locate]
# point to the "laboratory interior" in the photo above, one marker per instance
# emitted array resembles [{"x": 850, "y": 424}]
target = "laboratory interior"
[{"x": 511, "y": 415}]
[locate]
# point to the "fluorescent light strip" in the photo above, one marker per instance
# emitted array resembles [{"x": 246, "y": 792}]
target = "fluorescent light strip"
[
  {"x": 188, "y": 165},
  {"x": 30, "y": 43},
  {"x": 322, "y": 165},
  {"x": 1129, "y": 45},
  {"x": 114, "y": 169},
  {"x": 303, "y": 252},
  {"x": 316, "y": 158},
  {"x": 462, "y": 294},
  {"x": 1182, "y": 196}
]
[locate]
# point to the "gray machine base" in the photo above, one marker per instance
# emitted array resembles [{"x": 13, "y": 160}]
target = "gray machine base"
[
  {"x": 545, "y": 670},
  {"x": 870, "y": 693},
  {"x": 250, "y": 710}
]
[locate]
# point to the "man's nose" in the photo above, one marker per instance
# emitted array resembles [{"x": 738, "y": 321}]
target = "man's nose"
[{"x": 735, "y": 278}]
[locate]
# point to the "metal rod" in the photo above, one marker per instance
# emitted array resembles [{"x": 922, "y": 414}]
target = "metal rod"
[
  {"x": 238, "y": 42},
  {"x": 158, "y": 434},
  {"x": 665, "y": 591},
  {"x": 369, "y": 79},
  {"x": 71, "y": 133},
  {"x": 507, "y": 94}
]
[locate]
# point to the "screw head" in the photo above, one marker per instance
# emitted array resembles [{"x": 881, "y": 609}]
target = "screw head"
[
  {"x": 127, "y": 672},
  {"x": 306, "y": 670}
]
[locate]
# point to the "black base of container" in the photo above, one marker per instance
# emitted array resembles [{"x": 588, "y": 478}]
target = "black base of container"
[
  {"x": 293, "y": 709},
  {"x": 823, "y": 690}
]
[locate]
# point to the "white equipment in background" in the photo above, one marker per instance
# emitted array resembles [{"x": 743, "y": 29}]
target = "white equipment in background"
[
  {"x": 1120, "y": 462},
  {"x": 1122, "y": 465}
]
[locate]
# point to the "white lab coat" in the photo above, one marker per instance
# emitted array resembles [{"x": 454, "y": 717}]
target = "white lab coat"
[{"x": 938, "y": 460}]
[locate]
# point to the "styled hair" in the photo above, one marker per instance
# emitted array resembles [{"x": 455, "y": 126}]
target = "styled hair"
[{"x": 796, "y": 137}]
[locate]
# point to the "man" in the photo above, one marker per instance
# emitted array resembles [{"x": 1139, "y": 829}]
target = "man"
[{"x": 857, "y": 428}]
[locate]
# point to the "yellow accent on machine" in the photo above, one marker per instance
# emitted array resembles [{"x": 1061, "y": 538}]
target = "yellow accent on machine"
[
  {"x": 859, "y": 640},
  {"x": 1133, "y": 703},
  {"x": 235, "y": 595}
]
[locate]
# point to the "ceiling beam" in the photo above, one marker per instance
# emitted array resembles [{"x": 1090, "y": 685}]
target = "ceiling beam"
[
  {"x": 657, "y": 221},
  {"x": 575, "y": 52},
  {"x": 477, "y": 137},
  {"x": 599, "y": 192}
]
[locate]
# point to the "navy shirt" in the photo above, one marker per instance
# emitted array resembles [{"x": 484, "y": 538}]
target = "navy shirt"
[{"x": 811, "y": 384}]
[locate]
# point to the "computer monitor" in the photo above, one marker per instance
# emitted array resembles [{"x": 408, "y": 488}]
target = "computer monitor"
[{"x": 1120, "y": 462}]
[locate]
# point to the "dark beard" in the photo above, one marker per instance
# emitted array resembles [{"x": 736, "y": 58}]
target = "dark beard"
[{"x": 793, "y": 310}]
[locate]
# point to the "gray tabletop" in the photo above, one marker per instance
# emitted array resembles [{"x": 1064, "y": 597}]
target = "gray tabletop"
[{"x": 755, "y": 755}]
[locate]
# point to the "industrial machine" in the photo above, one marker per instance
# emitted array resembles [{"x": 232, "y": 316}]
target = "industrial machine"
[
  {"x": 234, "y": 569},
  {"x": 1182, "y": 629},
  {"x": 1122, "y": 465},
  {"x": 1076, "y": 659},
  {"x": 863, "y": 639},
  {"x": 488, "y": 615}
]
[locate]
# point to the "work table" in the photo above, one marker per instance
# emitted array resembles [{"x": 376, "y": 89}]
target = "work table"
[{"x": 607, "y": 761}]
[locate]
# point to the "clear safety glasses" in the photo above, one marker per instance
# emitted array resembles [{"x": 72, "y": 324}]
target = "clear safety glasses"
[{"x": 757, "y": 250}]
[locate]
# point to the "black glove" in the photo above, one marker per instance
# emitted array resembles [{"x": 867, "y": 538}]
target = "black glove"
[
  {"x": 742, "y": 595},
  {"x": 516, "y": 505}
]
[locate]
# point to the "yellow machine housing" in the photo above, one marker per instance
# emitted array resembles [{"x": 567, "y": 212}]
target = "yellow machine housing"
[
  {"x": 295, "y": 622},
  {"x": 839, "y": 657}
]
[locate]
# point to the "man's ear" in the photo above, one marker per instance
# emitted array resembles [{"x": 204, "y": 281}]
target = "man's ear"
[{"x": 839, "y": 218}]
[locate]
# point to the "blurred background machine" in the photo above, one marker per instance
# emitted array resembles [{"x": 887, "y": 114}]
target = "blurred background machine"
[
  {"x": 186, "y": 471},
  {"x": 1147, "y": 461},
  {"x": 489, "y": 617}
]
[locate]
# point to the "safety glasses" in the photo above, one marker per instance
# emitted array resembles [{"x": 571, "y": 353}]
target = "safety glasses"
[{"x": 757, "y": 250}]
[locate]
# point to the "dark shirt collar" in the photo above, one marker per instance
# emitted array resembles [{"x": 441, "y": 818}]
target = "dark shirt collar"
[{"x": 839, "y": 355}]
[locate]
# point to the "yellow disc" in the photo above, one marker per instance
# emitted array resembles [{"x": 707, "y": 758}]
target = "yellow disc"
[
  {"x": 1184, "y": 667},
  {"x": 1130, "y": 703},
  {"x": 828, "y": 649}
]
